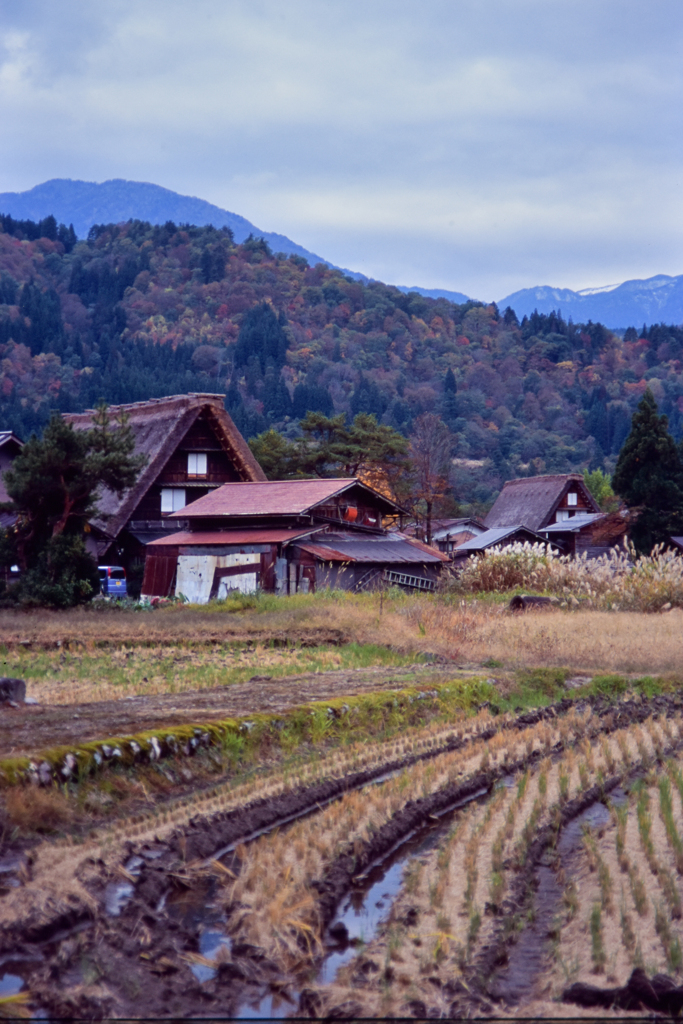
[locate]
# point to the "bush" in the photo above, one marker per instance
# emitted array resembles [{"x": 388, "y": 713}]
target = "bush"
[{"x": 619, "y": 580}]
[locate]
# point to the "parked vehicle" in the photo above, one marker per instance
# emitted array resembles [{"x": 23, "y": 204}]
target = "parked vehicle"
[{"x": 112, "y": 580}]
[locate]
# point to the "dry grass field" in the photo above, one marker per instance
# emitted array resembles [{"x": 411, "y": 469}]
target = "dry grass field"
[
  {"x": 463, "y": 632},
  {"x": 474, "y": 813}
]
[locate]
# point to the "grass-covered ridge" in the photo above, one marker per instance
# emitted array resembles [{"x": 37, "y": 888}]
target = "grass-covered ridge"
[{"x": 77, "y": 675}]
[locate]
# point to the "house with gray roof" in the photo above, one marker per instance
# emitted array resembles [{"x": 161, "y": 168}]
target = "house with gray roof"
[{"x": 539, "y": 501}]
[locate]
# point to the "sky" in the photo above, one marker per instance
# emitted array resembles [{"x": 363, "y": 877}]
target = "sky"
[{"x": 476, "y": 145}]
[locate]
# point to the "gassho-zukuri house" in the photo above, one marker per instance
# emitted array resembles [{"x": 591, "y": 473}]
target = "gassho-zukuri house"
[
  {"x": 557, "y": 509},
  {"x": 191, "y": 446},
  {"x": 287, "y": 537}
]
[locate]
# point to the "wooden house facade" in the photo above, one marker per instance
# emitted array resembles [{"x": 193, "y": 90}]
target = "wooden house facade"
[
  {"x": 287, "y": 537},
  {"x": 191, "y": 446}
]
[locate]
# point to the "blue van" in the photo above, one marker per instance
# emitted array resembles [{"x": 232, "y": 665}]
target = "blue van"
[{"x": 112, "y": 580}]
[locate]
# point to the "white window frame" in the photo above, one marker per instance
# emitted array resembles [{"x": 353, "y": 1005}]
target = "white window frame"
[
  {"x": 172, "y": 499},
  {"x": 572, "y": 498},
  {"x": 197, "y": 464},
  {"x": 561, "y": 516}
]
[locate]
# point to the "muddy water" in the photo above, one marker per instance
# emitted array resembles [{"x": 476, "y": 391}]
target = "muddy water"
[
  {"x": 516, "y": 983},
  {"x": 362, "y": 911}
]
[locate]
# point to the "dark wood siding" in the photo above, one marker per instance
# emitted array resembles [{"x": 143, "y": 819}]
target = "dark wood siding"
[{"x": 160, "y": 572}]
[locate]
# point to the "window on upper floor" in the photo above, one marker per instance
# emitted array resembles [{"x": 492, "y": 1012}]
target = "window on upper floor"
[
  {"x": 572, "y": 498},
  {"x": 172, "y": 499},
  {"x": 196, "y": 464},
  {"x": 561, "y": 515}
]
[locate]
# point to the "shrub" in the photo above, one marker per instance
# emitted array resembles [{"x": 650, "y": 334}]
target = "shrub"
[
  {"x": 39, "y": 810},
  {"x": 619, "y": 580}
]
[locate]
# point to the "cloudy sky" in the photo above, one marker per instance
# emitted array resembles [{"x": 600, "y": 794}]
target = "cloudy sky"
[{"x": 478, "y": 145}]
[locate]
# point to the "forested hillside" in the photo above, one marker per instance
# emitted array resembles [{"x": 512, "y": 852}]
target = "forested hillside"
[{"x": 138, "y": 311}]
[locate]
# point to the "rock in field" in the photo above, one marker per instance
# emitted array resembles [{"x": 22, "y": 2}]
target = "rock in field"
[{"x": 12, "y": 690}]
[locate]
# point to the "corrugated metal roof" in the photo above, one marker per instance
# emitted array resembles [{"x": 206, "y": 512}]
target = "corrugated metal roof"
[
  {"x": 573, "y": 524},
  {"x": 532, "y": 500},
  {"x": 387, "y": 549},
  {"x": 492, "y": 537},
  {"x": 274, "y": 497},
  {"x": 203, "y": 538}
]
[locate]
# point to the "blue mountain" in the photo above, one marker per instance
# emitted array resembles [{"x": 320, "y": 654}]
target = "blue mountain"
[
  {"x": 84, "y": 203},
  {"x": 658, "y": 299}
]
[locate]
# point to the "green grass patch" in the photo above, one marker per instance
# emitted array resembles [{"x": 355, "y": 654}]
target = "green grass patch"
[
  {"x": 369, "y": 716},
  {"x": 168, "y": 668}
]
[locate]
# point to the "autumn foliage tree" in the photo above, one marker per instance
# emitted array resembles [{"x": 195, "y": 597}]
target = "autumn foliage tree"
[{"x": 430, "y": 452}]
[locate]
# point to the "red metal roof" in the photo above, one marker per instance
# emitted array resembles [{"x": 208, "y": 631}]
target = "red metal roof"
[
  {"x": 272, "y": 498},
  {"x": 205, "y": 538}
]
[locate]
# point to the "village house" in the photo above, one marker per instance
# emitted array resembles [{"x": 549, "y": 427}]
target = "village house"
[
  {"x": 191, "y": 446},
  {"x": 500, "y": 536},
  {"x": 538, "y": 501},
  {"x": 557, "y": 509},
  {"x": 287, "y": 537},
  {"x": 449, "y": 534}
]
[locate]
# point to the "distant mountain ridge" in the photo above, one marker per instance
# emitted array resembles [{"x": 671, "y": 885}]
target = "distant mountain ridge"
[
  {"x": 84, "y": 203},
  {"x": 657, "y": 299}
]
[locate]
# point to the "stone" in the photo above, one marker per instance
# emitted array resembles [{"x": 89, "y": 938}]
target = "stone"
[
  {"x": 30, "y": 700},
  {"x": 523, "y": 602},
  {"x": 576, "y": 682},
  {"x": 339, "y": 932},
  {"x": 12, "y": 690}
]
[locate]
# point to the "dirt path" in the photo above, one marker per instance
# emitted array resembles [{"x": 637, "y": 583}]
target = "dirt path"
[{"x": 30, "y": 728}]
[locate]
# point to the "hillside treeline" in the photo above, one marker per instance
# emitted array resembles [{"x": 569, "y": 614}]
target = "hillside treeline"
[{"x": 139, "y": 311}]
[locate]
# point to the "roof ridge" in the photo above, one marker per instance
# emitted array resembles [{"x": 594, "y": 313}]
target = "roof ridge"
[{"x": 189, "y": 399}]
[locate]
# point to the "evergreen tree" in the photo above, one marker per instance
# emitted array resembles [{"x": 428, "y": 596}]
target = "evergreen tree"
[
  {"x": 262, "y": 336},
  {"x": 53, "y": 485},
  {"x": 649, "y": 477},
  {"x": 449, "y": 402}
]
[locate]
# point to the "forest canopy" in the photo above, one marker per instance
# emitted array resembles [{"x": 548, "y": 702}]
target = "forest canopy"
[{"x": 138, "y": 311}]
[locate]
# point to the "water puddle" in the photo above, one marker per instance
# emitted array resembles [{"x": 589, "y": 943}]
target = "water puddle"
[
  {"x": 527, "y": 957},
  {"x": 10, "y": 984},
  {"x": 116, "y": 895}
]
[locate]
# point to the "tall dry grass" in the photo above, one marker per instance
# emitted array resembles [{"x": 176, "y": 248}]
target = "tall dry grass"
[{"x": 619, "y": 580}]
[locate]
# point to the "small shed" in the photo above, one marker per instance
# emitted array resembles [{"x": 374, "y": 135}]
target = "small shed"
[
  {"x": 499, "y": 537},
  {"x": 346, "y": 561},
  {"x": 590, "y": 535},
  {"x": 449, "y": 534}
]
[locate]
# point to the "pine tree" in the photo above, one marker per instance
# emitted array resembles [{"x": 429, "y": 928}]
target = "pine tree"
[
  {"x": 649, "y": 477},
  {"x": 53, "y": 485}
]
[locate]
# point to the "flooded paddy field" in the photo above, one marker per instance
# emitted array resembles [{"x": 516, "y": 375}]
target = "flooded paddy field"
[{"x": 411, "y": 841}]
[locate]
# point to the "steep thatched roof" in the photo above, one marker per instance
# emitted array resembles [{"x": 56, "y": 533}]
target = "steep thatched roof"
[
  {"x": 159, "y": 427},
  {"x": 533, "y": 500}
]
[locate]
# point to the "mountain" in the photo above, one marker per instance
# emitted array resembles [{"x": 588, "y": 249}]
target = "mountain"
[
  {"x": 436, "y": 293},
  {"x": 139, "y": 311},
  {"x": 84, "y": 203},
  {"x": 658, "y": 299}
]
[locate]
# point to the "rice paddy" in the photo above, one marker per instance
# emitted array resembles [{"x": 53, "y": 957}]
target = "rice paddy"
[{"x": 475, "y": 845}]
